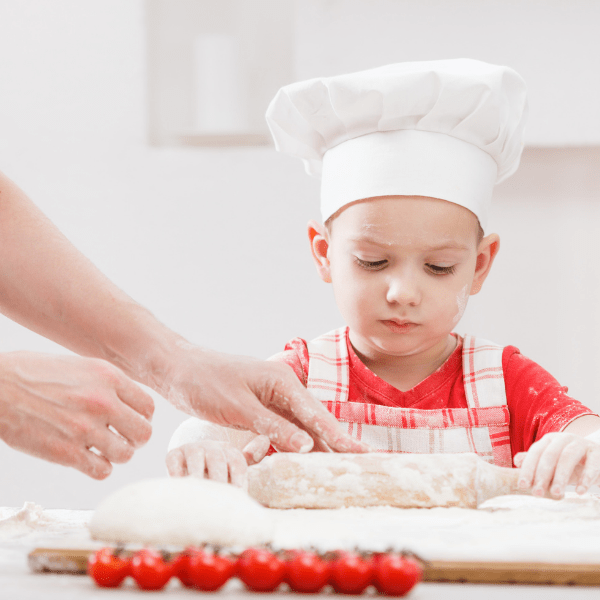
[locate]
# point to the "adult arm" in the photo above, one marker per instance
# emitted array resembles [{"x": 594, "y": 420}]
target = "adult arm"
[
  {"x": 207, "y": 450},
  {"x": 51, "y": 288}
]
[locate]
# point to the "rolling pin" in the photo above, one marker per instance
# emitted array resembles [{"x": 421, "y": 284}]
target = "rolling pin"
[{"x": 335, "y": 480}]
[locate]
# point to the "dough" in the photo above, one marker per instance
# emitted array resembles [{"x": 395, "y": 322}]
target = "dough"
[
  {"x": 181, "y": 511},
  {"x": 332, "y": 480}
]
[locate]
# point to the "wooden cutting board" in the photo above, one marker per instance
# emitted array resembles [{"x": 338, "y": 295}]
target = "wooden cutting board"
[{"x": 74, "y": 561}]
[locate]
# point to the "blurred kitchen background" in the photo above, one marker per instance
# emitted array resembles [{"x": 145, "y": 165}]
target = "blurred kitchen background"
[{"x": 137, "y": 127}]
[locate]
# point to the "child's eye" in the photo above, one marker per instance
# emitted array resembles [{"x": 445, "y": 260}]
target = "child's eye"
[
  {"x": 437, "y": 270},
  {"x": 371, "y": 265}
]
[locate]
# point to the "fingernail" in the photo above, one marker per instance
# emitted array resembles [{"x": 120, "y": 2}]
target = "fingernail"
[
  {"x": 556, "y": 490},
  {"x": 522, "y": 483},
  {"x": 581, "y": 489},
  {"x": 302, "y": 442},
  {"x": 538, "y": 491}
]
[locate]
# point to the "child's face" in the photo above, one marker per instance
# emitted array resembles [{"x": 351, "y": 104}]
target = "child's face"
[{"x": 402, "y": 269}]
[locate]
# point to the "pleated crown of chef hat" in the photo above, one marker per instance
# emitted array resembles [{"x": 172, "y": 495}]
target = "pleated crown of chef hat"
[{"x": 448, "y": 129}]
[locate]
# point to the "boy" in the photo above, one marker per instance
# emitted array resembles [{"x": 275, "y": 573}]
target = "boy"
[{"x": 409, "y": 155}]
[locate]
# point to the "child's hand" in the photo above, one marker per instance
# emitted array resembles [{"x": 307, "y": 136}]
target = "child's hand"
[
  {"x": 557, "y": 460},
  {"x": 216, "y": 460},
  {"x": 219, "y": 461}
]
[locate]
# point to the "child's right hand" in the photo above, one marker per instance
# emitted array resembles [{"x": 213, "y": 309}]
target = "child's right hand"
[
  {"x": 216, "y": 460},
  {"x": 556, "y": 460}
]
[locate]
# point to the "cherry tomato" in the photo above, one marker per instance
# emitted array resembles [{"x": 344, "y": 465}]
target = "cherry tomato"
[
  {"x": 150, "y": 570},
  {"x": 107, "y": 569},
  {"x": 208, "y": 571},
  {"x": 395, "y": 575},
  {"x": 307, "y": 572},
  {"x": 181, "y": 567},
  {"x": 260, "y": 570},
  {"x": 351, "y": 573}
]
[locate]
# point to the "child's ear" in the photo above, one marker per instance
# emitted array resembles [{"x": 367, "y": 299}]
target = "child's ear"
[
  {"x": 486, "y": 253},
  {"x": 319, "y": 247}
]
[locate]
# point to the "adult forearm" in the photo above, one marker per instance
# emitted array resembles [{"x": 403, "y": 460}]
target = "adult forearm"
[{"x": 48, "y": 286}]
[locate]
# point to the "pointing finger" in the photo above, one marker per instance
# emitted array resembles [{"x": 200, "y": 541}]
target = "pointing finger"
[
  {"x": 130, "y": 424},
  {"x": 257, "y": 449},
  {"x": 112, "y": 446},
  {"x": 135, "y": 397}
]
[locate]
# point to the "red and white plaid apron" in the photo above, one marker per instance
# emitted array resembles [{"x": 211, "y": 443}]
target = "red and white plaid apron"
[{"x": 482, "y": 427}]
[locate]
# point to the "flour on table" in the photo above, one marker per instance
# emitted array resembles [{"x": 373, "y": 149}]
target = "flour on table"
[
  {"x": 50, "y": 526},
  {"x": 182, "y": 511},
  {"x": 508, "y": 528},
  {"x": 15, "y": 522}
]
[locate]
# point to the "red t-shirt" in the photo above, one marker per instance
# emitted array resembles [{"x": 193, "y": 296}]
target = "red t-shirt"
[{"x": 537, "y": 403}]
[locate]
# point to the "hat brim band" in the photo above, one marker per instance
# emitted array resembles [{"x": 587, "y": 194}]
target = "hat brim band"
[{"x": 408, "y": 163}]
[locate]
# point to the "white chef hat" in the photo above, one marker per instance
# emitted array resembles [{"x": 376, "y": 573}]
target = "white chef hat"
[{"x": 448, "y": 129}]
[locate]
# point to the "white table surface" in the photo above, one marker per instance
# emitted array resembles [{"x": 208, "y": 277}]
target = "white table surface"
[{"x": 67, "y": 528}]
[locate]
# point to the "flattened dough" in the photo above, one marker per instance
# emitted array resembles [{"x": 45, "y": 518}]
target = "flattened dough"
[{"x": 181, "y": 511}]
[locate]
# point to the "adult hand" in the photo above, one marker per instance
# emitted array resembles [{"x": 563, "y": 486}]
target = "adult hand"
[
  {"x": 556, "y": 460},
  {"x": 51, "y": 288},
  {"x": 78, "y": 412},
  {"x": 262, "y": 396}
]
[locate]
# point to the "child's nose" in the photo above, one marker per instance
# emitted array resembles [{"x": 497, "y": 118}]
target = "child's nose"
[{"x": 403, "y": 290}]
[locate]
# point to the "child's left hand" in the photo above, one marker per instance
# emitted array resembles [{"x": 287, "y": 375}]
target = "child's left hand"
[{"x": 555, "y": 461}]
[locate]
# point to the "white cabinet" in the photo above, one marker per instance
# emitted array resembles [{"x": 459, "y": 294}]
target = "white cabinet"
[{"x": 213, "y": 67}]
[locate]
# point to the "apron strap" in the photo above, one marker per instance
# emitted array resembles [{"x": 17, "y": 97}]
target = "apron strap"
[
  {"x": 329, "y": 366},
  {"x": 482, "y": 372}
]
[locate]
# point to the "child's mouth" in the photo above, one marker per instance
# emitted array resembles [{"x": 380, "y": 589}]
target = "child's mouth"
[{"x": 400, "y": 326}]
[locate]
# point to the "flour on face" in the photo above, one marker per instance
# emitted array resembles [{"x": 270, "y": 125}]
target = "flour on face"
[{"x": 461, "y": 303}]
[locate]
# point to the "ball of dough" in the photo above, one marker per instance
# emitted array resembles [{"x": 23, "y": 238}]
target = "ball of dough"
[{"x": 181, "y": 511}]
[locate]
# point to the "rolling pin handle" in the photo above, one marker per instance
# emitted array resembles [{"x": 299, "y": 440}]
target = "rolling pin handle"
[{"x": 493, "y": 481}]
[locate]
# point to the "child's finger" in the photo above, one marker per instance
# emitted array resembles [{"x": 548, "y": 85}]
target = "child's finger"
[
  {"x": 591, "y": 471},
  {"x": 196, "y": 460},
  {"x": 568, "y": 460},
  {"x": 519, "y": 458},
  {"x": 530, "y": 462},
  {"x": 176, "y": 465},
  {"x": 237, "y": 467},
  {"x": 217, "y": 466},
  {"x": 547, "y": 463}
]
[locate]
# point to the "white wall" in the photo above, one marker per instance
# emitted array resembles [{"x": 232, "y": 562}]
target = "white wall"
[{"x": 213, "y": 241}]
